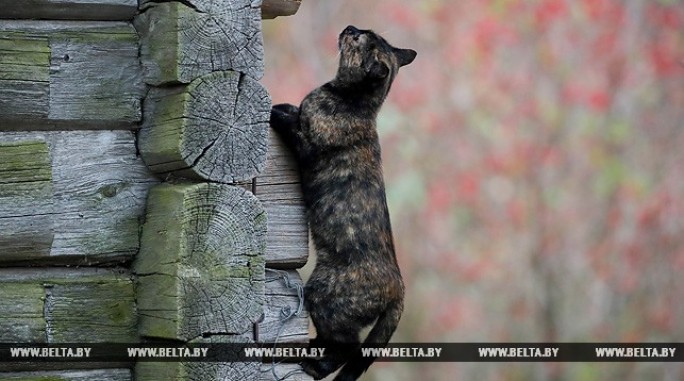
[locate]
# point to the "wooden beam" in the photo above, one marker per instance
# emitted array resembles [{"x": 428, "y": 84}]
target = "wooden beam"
[
  {"x": 200, "y": 267},
  {"x": 281, "y": 323},
  {"x": 181, "y": 41},
  {"x": 86, "y": 189},
  {"x": 278, "y": 187},
  {"x": 26, "y": 199},
  {"x": 69, "y": 375},
  {"x": 66, "y": 306},
  {"x": 154, "y": 371},
  {"x": 110, "y": 10},
  {"x": 68, "y": 75},
  {"x": 213, "y": 129},
  {"x": 294, "y": 372},
  {"x": 201, "y": 371},
  {"x": 271, "y": 9}
]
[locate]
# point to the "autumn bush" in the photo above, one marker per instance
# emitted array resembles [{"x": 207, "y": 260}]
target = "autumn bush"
[{"x": 534, "y": 158}]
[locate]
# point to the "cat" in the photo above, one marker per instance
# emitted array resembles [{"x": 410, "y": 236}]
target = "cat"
[{"x": 356, "y": 280}]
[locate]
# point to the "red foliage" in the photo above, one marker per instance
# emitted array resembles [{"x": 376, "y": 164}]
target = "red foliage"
[
  {"x": 666, "y": 61},
  {"x": 440, "y": 195},
  {"x": 402, "y": 15},
  {"x": 599, "y": 100},
  {"x": 671, "y": 18},
  {"x": 516, "y": 212},
  {"x": 607, "y": 12},
  {"x": 549, "y": 11},
  {"x": 468, "y": 186},
  {"x": 545, "y": 131}
]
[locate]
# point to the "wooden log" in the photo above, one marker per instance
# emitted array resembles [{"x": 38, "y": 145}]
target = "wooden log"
[
  {"x": 68, "y": 75},
  {"x": 69, "y": 9},
  {"x": 181, "y": 41},
  {"x": 217, "y": 371},
  {"x": 66, "y": 306},
  {"x": 26, "y": 199},
  {"x": 213, "y": 129},
  {"x": 196, "y": 371},
  {"x": 285, "y": 319},
  {"x": 69, "y": 375},
  {"x": 293, "y": 372},
  {"x": 201, "y": 371},
  {"x": 271, "y": 9},
  {"x": 280, "y": 169},
  {"x": 287, "y": 242},
  {"x": 200, "y": 267},
  {"x": 278, "y": 187},
  {"x": 89, "y": 194}
]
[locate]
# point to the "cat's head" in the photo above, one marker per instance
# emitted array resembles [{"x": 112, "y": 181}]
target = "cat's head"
[{"x": 365, "y": 56}]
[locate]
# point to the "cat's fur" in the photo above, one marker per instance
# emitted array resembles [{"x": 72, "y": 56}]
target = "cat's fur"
[{"x": 356, "y": 281}]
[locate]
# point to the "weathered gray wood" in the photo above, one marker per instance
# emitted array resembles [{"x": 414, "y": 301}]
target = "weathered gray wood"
[
  {"x": 196, "y": 371},
  {"x": 66, "y": 306},
  {"x": 99, "y": 187},
  {"x": 281, "y": 168},
  {"x": 282, "y": 300},
  {"x": 26, "y": 189},
  {"x": 294, "y": 372},
  {"x": 278, "y": 187},
  {"x": 214, "y": 129},
  {"x": 69, "y": 9},
  {"x": 271, "y": 9},
  {"x": 69, "y": 375},
  {"x": 201, "y": 371},
  {"x": 181, "y": 41},
  {"x": 150, "y": 371},
  {"x": 287, "y": 243},
  {"x": 68, "y": 74},
  {"x": 200, "y": 267}
]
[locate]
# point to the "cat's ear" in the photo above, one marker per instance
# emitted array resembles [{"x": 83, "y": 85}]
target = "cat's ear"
[
  {"x": 405, "y": 56},
  {"x": 377, "y": 70}
]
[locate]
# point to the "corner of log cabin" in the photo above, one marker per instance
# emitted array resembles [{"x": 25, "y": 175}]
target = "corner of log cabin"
[
  {"x": 200, "y": 269},
  {"x": 214, "y": 128},
  {"x": 80, "y": 185}
]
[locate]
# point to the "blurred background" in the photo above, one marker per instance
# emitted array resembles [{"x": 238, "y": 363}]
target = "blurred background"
[{"x": 534, "y": 164}]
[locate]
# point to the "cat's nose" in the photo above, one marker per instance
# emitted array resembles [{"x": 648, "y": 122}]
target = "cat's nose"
[{"x": 351, "y": 30}]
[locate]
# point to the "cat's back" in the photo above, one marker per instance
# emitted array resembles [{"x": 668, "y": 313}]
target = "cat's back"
[
  {"x": 342, "y": 179},
  {"x": 344, "y": 151}
]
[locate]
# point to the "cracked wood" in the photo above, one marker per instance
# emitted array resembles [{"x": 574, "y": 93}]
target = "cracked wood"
[
  {"x": 279, "y": 189},
  {"x": 200, "y": 267},
  {"x": 181, "y": 41},
  {"x": 281, "y": 301},
  {"x": 69, "y": 375},
  {"x": 69, "y": 75},
  {"x": 214, "y": 129},
  {"x": 66, "y": 306},
  {"x": 70, "y": 197}
]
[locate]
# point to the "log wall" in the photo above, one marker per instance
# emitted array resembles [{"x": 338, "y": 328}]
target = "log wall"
[{"x": 142, "y": 198}]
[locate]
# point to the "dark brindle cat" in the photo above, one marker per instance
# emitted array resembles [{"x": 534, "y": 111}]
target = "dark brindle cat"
[{"x": 356, "y": 280}]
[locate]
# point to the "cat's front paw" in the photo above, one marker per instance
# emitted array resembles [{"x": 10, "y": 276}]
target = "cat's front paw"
[
  {"x": 285, "y": 108},
  {"x": 283, "y": 116}
]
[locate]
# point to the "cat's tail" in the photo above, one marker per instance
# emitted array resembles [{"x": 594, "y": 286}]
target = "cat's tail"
[{"x": 379, "y": 336}]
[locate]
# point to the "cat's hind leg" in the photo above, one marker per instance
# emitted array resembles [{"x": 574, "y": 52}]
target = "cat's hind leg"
[{"x": 339, "y": 346}]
